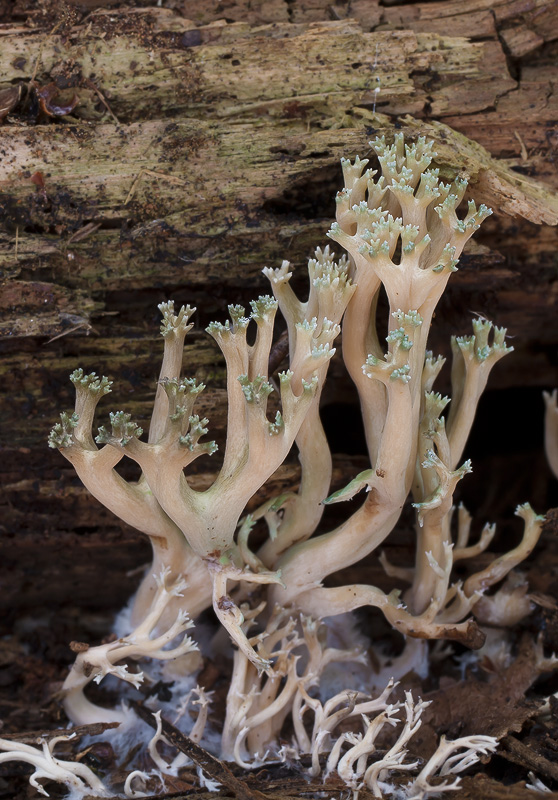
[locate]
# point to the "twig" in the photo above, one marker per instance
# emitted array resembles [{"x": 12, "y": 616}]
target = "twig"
[
  {"x": 518, "y": 753},
  {"x": 70, "y": 330},
  {"x": 34, "y": 737},
  {"x": 89, "y": 83},
  {"x": 524, "y": 153},
  {"x": 154, "y": 174},
  {"x": 171, "y": 178},
  {"x": 84, "y": 232},
  {"x": 133, "y": 187},
  {"x": 215, "y": 769}
]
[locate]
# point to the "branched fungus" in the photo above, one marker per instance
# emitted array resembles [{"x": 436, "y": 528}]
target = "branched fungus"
[{"x": 403, "y": 233}]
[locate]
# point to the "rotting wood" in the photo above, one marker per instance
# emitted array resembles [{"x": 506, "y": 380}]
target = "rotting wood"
[
  {"x": 473, "y": 788},
  {"x": 314, "y": 63},
  {"x": 525, "y": 756},
  {"x": 37, "y": 737}
]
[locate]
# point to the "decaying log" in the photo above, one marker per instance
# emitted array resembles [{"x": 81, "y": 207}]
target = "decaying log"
[{"x": 153, "y": 153}]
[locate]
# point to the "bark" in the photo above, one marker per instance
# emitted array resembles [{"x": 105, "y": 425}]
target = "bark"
[{"x": 150, "y": 153}]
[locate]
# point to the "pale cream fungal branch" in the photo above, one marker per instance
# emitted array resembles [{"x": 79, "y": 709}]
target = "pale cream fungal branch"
[
  {"x": 81, "y": 780},
  {"x": 338, "y": 709},
  {"x": 473, "y": 359},
  {"x": 331, "y": 290},
  {"x": 174, "y": 328},
  {"x": 433, "y": 534},
  {"x": 448, "y": 761},
  {"x": 89, "y": 390},
  {"x": 358, "y": 762},
  {"x": 142, "y": 777},
  {"x": 132, "y": 501},
  {"x": 509, "y": 603},
  {"x": 181, "y": 759},
  {"x": 228, "y": 613},
  {"x": 394, "y": 758},
  {"x": 408, "y": 443},
  {"x": 255, "y": 446},
  {"x": 258, "y": 704},
  {"x": 94, "y": 663},
  {"x": 486, "y": 537},
  {"x": 399, "y": 207},
  {"x": 551, "y": 430}
]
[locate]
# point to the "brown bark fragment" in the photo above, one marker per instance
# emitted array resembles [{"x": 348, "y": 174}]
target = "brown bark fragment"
[{"x": 473, "y": 788}]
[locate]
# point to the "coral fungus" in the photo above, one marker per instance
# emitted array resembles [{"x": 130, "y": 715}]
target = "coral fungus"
[{"x": 402, "y": 231}]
